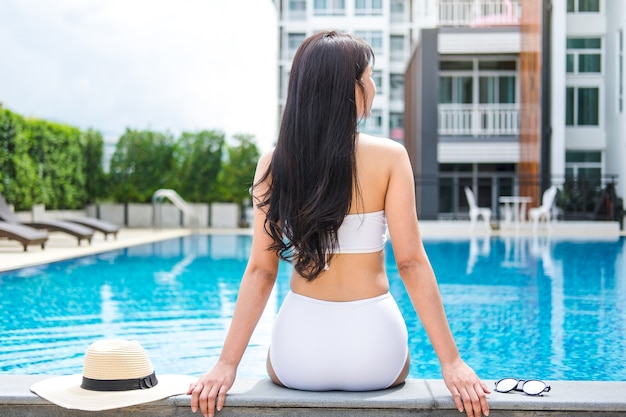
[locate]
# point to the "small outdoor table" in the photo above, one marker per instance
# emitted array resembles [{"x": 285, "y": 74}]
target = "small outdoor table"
[{"x": 515, "y": 208}]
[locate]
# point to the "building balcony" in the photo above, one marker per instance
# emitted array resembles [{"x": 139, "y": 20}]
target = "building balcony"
[
  {"x": 479, "y": 119},
  {"x": 470, "y": 13}
]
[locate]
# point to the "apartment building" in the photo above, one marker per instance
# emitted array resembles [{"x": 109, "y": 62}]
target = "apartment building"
[
  {"x": 528, "y": 93},
  {"x": 386, "y": 25},
  {"x": 467, "y": 59},
  {"x": 588, "y": 117}
]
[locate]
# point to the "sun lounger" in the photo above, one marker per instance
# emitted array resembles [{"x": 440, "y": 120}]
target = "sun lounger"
[
  {"x": 79, "y": 231},
  {"x": 24, "y": 234},
  {"x": 103, "y": 226}
]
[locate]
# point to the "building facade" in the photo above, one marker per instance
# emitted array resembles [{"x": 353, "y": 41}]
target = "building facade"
[
  {"x": 387, "y": 25},
  {"x": 528, "y": 93},
  {"x": 587, "y": 88}
]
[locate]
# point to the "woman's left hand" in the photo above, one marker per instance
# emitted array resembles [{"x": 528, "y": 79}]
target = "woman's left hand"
[{"x": 468, "y": 391}]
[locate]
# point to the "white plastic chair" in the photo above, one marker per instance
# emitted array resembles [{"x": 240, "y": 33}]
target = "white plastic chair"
[
  {"x": 475, "y": 211},
  {"x": 544, "y": 211}
]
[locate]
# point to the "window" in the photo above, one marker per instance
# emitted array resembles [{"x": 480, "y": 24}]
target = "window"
[
  {"x": 373, "y": 124},
  {"x": 455, "y": 89},
  {"x": 368, "y": 7},
  {"x": 396, "y": 47},
  {"x": 397, "y": 10},
  {"x": 374, "y": 38},
  {"x": 297, "y": 9},
  {"x": 584, "y": 55},
  {"x": 497, "y": 65},
  {"x": 456, "y": 65},
  {"x": 293, "y": 42},
  {"x": 329, "y": 7},
  {"x": 582, "y": 106},
  {"x": 396, "y": 126},
  {"x": 377, "y": 76},
  {"x": 496, "y": 89},
  {"x": 584, "y": 164},
  {"x": 497, "y": 81},
  {"x": 583, "y": 6},
  {"x": 456, "y": 83},
  {"x": 396, "y": 86}
]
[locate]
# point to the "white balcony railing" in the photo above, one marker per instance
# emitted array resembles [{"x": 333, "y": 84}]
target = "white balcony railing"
[
  {"x": 479, "y": 119},
  {"x": 475, "y": 13}
]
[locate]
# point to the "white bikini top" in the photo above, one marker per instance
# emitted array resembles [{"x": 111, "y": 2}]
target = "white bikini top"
[{"x": 362, "y": 233}]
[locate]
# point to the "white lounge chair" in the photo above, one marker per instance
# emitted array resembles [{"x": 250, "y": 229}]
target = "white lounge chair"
[
  {"x": 544, "y": 211},
  {"x": 475, "y": 211}
]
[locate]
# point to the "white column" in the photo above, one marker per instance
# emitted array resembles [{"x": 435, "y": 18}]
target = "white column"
[{"x": 557, "y": 78}]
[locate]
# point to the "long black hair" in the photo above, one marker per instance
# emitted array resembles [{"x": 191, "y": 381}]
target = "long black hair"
[{"x": 312, "y": 174}]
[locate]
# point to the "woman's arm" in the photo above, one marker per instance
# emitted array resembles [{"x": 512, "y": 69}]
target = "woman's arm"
[
  {"x": 209, "y": 392},
  {"x": 421, "y": 285}
]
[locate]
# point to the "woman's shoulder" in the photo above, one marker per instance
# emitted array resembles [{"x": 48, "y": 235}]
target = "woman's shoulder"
[
  {"x": 380, "y": 146},
  {"x": 265, "y": 159}
]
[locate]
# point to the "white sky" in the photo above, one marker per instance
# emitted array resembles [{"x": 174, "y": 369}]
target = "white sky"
[{"x": 166, "y": 65}]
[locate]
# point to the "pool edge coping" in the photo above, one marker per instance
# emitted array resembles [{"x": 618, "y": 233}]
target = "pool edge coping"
[{"x": 424, "y": 394}]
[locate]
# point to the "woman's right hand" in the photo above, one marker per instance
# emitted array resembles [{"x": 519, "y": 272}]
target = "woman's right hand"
[{"x": 209, "y": 392}]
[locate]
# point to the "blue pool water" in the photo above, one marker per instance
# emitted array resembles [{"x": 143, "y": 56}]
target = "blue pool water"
[{"x": 518, "y": 306}]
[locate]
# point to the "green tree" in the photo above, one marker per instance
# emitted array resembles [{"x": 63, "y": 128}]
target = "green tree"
[
  {"x": 199, "y": 158},
  {"x": 237, "y": 174},
  {"x": 142, "y": 163},
  {"x": 57, "y": 152},
  {"x": 95, "y": 177},
  {"x": 19, "y": 176}
]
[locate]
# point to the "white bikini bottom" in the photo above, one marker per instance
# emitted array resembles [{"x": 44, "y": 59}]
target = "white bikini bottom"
[{"x": 322, "y": 345}]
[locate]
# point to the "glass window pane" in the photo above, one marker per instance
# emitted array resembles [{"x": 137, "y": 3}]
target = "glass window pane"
[
  {"x": 397, "y": 6},
  {"x": 464, "y": 90},
  {"x": 487, "y": 90},
  {"x": 569, "y": 106},
  {"x": 445, "y": 90},
  {"x": 583, "y": 156},
  {"x": 497, "y": 65},
  {"x": 456, "y": 65},
  {"x": 377, "y": 42},
  {"x": 377, "y": 76},
  {"x": 588, "y": 110},
  {"x": 294, "y": 40},
  {"x": 592, "y": 175},
  {"x": 584, "y": 43},
  {"x": 506, "y": 87},
  {"x": 589, "y": 63},
  {"x": 572, "y": 156},
  {"x": 396, "y": 86},
  {"x": 297, "y": 5},
  {"x": 588, "y": 5},
  {"x": 571, "y": 6},
  {"x": 569, "y": 63},
  {"x": 396, "y": 43}
]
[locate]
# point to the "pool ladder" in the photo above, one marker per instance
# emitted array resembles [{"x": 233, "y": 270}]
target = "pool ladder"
[{"x": 177, "y": 200}]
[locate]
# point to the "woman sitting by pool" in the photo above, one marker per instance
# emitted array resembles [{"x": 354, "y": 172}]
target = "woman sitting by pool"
[{"x": 324, "y": 199}]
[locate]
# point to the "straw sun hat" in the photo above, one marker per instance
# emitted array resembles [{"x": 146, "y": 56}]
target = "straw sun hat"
[{"x": 116, "y": 373}]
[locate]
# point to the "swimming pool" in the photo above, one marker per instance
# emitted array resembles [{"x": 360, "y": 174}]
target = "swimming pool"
[{"x": 518, "y": 306}]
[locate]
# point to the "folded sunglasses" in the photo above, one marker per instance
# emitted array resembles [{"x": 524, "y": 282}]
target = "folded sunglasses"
[{"x": 529, "y": 387}]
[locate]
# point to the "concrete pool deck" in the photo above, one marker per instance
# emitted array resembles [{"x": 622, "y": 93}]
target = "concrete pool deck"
[{"x": 252, "y": 397}]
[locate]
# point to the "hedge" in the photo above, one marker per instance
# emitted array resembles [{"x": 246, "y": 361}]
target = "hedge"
[{"x": 60, "y": 166}]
